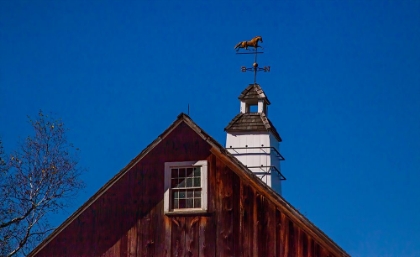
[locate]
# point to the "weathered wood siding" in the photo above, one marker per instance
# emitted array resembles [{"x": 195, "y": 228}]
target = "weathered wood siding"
[{"x": 128, "y": 219}]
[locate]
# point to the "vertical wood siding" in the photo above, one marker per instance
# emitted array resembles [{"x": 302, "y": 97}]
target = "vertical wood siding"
[{"x": 128, "y": 219}]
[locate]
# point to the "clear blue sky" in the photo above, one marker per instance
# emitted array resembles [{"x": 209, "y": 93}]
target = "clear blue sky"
[{"x": 344, "y": 87}]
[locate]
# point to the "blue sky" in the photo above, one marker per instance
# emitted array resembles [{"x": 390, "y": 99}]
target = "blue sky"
[{"x": 344, "y": 87}]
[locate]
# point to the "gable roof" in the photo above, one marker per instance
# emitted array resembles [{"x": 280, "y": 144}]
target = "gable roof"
[
  {"x": 247, "y": 122},
  {"x": 233, "y": 163},
  {"x": 253, "y": 92}
]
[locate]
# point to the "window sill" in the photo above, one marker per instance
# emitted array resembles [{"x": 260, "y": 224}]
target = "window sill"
[{"x": 188, "y": 213}]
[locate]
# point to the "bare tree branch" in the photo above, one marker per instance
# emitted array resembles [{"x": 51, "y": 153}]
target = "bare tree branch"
[
  {"x": 17, "y": 219},
  {"x": 35, "y": 180}
]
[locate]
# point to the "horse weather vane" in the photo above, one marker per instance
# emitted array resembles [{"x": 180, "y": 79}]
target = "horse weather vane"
[{"x": 253, "y": 43}]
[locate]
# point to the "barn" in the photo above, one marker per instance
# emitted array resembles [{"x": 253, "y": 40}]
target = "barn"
[{"x": 187, "y": 195}]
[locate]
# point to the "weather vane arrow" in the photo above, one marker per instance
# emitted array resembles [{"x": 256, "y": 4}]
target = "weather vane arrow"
[{"x": 253, "y": 44}]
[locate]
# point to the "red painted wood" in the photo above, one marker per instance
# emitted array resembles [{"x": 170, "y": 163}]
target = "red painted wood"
[
  {"x": 317, "y": 250},
  {"x": 192, "y": 225},
  {"x": 270, "y": 231},
  {"x": 304, "y": 242},
  {"x": 255, "y": 242},
  {"x": 207, "y": 237},
  {"x": 167, "y": 251},
  {"x": 224, "y": 208},
  {"x": 261, "y": 227},
  {"x": 279, "y": 242},
  {"x": 310, "y": 247},
  {"x": 298, "y": 242},
  {"x": 284, "y": 236},
  {"x": 178, "y": 236},
  {"x": 292, "y": 240},
  {"x": 236, "y": 187},
  {"x": 246, "y": 220}
]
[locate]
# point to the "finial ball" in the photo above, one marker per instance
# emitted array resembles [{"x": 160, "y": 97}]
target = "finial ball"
[{"x": 255, "y": 65}]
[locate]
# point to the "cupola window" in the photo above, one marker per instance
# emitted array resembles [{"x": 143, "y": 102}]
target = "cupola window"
[{"x": 253, "y": 108}]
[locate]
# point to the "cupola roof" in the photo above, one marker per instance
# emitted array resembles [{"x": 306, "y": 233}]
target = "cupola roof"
[
  {"x": 252, "y": 122},
  {"x": 253, "y": 93}
]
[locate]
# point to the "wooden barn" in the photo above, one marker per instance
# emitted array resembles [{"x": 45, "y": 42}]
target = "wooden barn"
[{"x": 187, "y": 195}]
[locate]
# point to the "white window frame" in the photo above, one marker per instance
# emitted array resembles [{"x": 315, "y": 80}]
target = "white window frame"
[{"x": 204, "y": 189}]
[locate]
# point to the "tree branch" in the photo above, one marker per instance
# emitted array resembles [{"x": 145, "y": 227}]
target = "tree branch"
[{"x": 18, "y": 219}]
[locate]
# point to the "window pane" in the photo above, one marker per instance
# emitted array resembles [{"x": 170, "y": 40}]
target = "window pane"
[
  {"x": 197, "y": 182},
  {"x": 197, "y": 203},
  {"x": 182, "y": 172},
  {"x": 190, "y": 203},
  {"x": 174, "y": 173},
  {"x": 189, "y": 172},
  {"x": 190, "y": 194},
  {"x": 197, "y": 171},
  {"x": 181, "y": 182},
  {"x": 189, "y": 182},
  {"x": 174, "y": 183},
  {"x": 175, "y": 196},
  {"x": 182, "y": 203},
  {"x": 197, "y": 193},
  {"x": 176, "y": 204}
]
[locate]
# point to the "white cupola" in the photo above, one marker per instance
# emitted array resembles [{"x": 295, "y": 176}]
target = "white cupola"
[{"x": 253, "y": 140}]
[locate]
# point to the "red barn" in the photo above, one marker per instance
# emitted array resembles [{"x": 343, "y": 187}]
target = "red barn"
[{"x": 186, "y": 195}]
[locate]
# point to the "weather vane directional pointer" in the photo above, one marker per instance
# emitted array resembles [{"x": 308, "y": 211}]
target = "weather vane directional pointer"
[{"x": 253, "y": 43}]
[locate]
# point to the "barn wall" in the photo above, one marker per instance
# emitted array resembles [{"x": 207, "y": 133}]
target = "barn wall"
[{"x": 128, "y": 219}]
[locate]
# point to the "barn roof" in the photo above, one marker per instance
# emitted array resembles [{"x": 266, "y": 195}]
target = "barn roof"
[
  {"x": 246, "y": 122},
  {"x": 233, "y": 163}
]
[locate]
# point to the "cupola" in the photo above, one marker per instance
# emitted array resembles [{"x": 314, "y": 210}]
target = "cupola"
[{"x": 253, "y": 139}]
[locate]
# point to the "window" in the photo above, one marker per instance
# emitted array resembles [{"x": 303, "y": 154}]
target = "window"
[
  {"x": 253, "y": 108},
  {"x": 185, "y": 186}
]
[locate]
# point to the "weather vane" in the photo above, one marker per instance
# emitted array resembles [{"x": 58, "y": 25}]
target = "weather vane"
[{"x": 253, "y": 43}]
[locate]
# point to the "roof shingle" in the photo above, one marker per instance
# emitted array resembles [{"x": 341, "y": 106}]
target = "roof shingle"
[
  {"x": 253, "y": 92},
  {"x": 252, "y": 122}
]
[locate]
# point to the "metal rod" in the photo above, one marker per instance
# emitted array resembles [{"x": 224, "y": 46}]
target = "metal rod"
[
  {"x": 255, "y": 64},
  {"x": 268, "y": 172},
  {"x": 252, "y": 53},
  {"x": 261, "y": 147}
]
